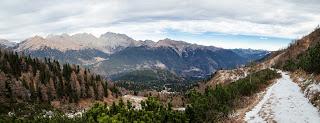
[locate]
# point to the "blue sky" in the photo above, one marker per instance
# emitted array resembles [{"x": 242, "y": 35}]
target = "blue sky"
[
  {"x": 226, "y": 40},
  {"x": 257, "y": 24}
]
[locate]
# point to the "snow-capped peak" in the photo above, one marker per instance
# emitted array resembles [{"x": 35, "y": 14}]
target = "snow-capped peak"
[
  {"x": 112, "y": 34},
  {"x": 6, "y": 43},
  {"x": 64, "y": 35},
  {"x": 112, "y": 42},
  {"x": 149, "y": 43},
  {"x": 179, "y": 46},
  {"x": 61, "y": 42},
  {"x": 117, "y": 40},
  {"x": 85, "y": 39},
  {"x": 170, "y": 42},
  {"x": 108, "y": 42}
]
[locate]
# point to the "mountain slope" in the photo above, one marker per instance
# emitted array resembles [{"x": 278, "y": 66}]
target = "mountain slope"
[
  {"x": 107, "y": 43},
  {"x": 191, "y": 62},
  {"x": 82, "y": 57},
  {"x": 6, "y": 44},
  {"x": 151, "y": 80},
  {"x": 251, "y": 54},
  {"x": 30, "y": 80},
  {"x": 298, "y": 47},
  {"x": 302, "y": 61},
  {"x": 113, "y": 53},
  {"x": 274, "y": 59}
]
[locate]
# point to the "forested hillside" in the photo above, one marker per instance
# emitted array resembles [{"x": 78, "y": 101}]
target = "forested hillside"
[
  {"x": 298, "y": 48},
  {"x": 308, "y": 61},
  {"x": 30, "y": 80},
  {"x": 215, "y": 105},
  {"x": 150, "y": 80}
]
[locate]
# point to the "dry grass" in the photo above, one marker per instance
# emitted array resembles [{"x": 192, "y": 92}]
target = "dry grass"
[{"x": 247, "y": 103}]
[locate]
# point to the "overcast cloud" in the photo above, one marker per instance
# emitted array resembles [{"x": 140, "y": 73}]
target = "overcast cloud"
[{"x": 149, "y": 19}]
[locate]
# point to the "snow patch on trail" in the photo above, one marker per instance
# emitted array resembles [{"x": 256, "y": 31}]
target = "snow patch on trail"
[
  {"x": 312, "y": 89},
  {"x": 284, "y": 103}
]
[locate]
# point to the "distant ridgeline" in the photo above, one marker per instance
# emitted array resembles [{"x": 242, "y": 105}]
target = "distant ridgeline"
[
  {"x": 113, "y": 55},
  {"x": 26, "y": 79},
  {"x": 119, "y": 57}
]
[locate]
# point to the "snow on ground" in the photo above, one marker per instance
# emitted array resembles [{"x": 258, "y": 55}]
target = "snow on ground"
[
  {"x": 75, "y": 114},
  {"x": 179, "y": 109},
  {"x": 312, "y": 89},
  {"x": 284, "y": 103}
]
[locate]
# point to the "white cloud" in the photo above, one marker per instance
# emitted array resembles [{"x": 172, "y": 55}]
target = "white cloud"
[
  {"x": 145, "y": 19},
  {"x": 246, "y": 45}
]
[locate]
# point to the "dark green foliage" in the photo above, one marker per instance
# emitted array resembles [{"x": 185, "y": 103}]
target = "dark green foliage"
[
  {"x": 32, "y": 113},
  {"x": 216, "y": 104},
  {"x": 105, "y": 87},
  {"x": 66, "y": 72},
  {"x": 308, "y": 61},
  {"x": 115, "y": 91},
  {"x": 213, "y": 105},
  {"x": 155, "y": 79},
  {"x": 290, "y": 65},
  {"x": 152, "y": 111},
  {"x": 58, "y": 117},
  {"x": 32, "y": 80}
]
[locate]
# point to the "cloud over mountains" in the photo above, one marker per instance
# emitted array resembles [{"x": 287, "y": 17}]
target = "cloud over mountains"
[{"x": 145, "y": 19}]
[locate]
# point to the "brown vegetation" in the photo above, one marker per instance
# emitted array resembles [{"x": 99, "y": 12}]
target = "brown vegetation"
[{"x": 31, "y": 80}]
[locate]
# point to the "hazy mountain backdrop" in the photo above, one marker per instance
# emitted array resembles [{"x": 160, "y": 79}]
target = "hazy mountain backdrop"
[{"x": 112, "y": 54}]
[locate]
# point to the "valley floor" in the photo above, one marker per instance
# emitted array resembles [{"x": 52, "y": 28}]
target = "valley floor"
[{"x": 284, "y": 103}]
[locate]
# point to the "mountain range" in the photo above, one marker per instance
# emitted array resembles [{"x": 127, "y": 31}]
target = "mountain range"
[
  {"x": 114, "y": 54},
  {"x": 6, "y": 44}
]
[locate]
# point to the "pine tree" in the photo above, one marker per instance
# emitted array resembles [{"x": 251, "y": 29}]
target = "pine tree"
[
  {"x": 105, "y": 88},
  {"x": 75, "y": 85}
]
